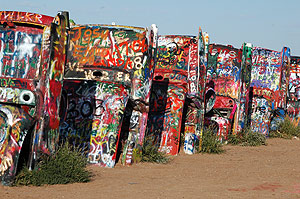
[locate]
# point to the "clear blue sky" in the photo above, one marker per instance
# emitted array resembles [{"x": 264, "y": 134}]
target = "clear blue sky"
[{"x": 266, "y": 23}]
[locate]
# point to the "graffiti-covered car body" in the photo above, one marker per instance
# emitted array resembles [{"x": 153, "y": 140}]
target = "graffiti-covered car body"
[
  {"x": 293, "y": 100},
  {"x": 194, "y": 107},
  {"x": 223, "y": 87},
  {"x": 176, "y": 57},
  {"x": 104, "y": 65},
  {"x": 241, "y": 121},
  {"x": 269, "y": 81},
  {"x": 31, "y": 70},
  {"x": 138, "y": 107}
]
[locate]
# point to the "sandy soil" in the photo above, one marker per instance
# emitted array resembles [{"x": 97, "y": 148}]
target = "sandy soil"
[{"x": 271, "y": 171}]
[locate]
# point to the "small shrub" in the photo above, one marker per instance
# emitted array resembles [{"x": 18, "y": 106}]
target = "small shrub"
[
  {"x": 66, "y": 165},
  {"x": 288, "y": 130},
  {"x": 235, "y": 139},
  {"x": 247, "y": 138},
  {"x": 278, "y": 134},
  {"x": 150, "y": 153},
  {"x": 137, "y": 155},
  {"x": 211, "y": 142},
  {"x": 254, "y": 139}
]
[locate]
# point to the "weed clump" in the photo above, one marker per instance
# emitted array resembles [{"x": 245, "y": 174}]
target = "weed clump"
[
  {"x": 287, "y": 130},
  {"x": 247, "y": 138},
  {"x": 278, "y": 134},
  {"x": 149, "y": 153},
  {"x": 66, "y": 165},
  {"x": 211, "y": 142}
]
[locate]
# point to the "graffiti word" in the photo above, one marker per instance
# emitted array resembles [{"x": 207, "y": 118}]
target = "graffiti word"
[
  {"x": 99, "y": 46},
  {"x": 25, "y": 16}
]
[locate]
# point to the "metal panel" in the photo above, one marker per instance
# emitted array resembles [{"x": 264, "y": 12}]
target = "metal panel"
[
  {"x": 224, "y": 81},
  {"x": 293, "y": 102}
]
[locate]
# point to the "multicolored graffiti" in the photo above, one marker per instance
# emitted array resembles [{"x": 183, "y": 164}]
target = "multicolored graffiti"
[
  {"x": 269, "y": 83},
  {"x": 117, "y": 60},
  {"x": 223, "y": 87},
  {"x": 122, "y": 84},
  {"x": 166, "y": 107},
  {"x": 242, "y": 110},
  {"x": 15, "y": 124},
  {"x": 195, "y": 102},
  {"x": 193, "y": 125},
  {"x": 27, "y": 17},
  {"x": 20, "y": 52},
  {"x": 177, "y": 74},
  {"x": 293, "y": 102},
  {"x": 139, "y": 99},
  {"x": 31, "y": 69},
  {"x": 94, "y": 114}
]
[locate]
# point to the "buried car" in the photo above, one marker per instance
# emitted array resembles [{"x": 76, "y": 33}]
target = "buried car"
[
  {"x": 32, "y": 53},
  {"x": 223, "y": 87},
  {"x": 269, "y": 83},
  {"x": 176, "y": 79},
  {"x": 107, "y": 65}
]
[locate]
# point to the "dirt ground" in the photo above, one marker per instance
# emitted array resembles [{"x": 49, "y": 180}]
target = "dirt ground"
[{"x": 271, "y": 171}]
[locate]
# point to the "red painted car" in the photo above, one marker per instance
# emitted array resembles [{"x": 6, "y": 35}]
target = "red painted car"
[
  {"x": 223, "y": 87},
  {"x": 32, "y": 54},
  {"x": 176, "y": 77}
]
